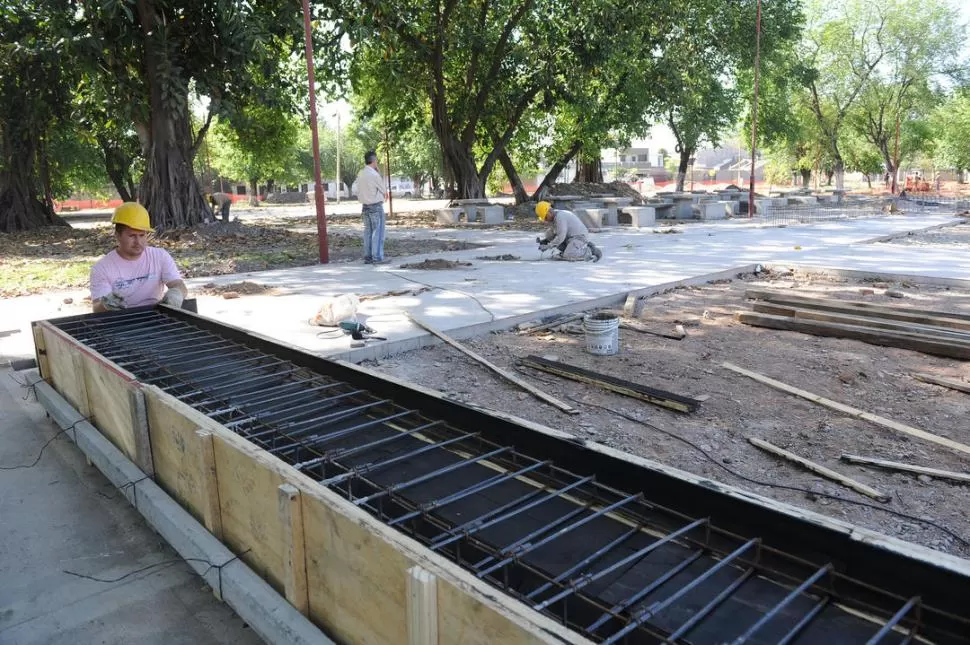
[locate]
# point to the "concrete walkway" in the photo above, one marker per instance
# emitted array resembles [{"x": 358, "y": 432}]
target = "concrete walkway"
[
  {"x": 61, "y": 515},
  {"x": 491, "y": 294}
]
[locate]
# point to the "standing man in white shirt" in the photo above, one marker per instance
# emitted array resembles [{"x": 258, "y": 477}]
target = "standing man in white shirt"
[{"x": 372, "y": 193}]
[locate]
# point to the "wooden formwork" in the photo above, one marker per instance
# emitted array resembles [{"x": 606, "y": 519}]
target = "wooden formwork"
[{"x": 358, "y": 579}]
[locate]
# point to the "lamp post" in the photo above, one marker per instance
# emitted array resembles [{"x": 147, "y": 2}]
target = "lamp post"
[
  {"x": 339, "y": 181},
  {"x": 754, "y": 109},
  {"x": 315, "y": 138}
]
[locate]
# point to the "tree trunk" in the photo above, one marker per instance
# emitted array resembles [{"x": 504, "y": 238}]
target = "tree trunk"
[
  {"x": 254, "y": 192},
  {"x": 589, "y": 167},
  {"x": 517, "y": 188},
  {"x": 118, "y": 167},
  {"x": 460, "y": 166},
  {"x": 557, "y": 168},
  {"x": 685, "y": 155},
  {"x": 869, "y": 181},
  {"x": 20, "y": 207},
  {"x": 839, "y": 168},
  {"x": 806, "y": 178},
  {"x": 169, "y": 189}
]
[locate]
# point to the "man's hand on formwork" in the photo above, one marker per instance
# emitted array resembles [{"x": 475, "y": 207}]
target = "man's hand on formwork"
[{"x": 113, "y": 302}]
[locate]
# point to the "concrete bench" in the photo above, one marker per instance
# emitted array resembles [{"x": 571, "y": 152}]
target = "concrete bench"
[
  {"x": 683, "y": 206},
  {"x": 640, "y": 216},
  {"x": 492, "y": 214},
  {"x": 619, "y": 202},
  {"x": 601, "y": 217},
  {"x": 449, "y": 216},
  {"x": 592, "y": 222},
  {"x": 714, "y": 210},
  {"x": 763, "y": 206},
  {"x": 803, "y": 199}
]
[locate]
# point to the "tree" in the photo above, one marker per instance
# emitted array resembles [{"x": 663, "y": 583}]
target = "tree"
[
  {"x": 260, "y": 143},
  {"x": 157, "y": 51},
  {"x": 35, "y": 81},
  {"x": 951, "y": 124},
  {"x": 921, "y": 47}
]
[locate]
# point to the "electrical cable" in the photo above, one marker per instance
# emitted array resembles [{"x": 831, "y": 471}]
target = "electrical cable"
[
  {"x": 628, "y": 417},
  {"x": 435, "y": 287}
]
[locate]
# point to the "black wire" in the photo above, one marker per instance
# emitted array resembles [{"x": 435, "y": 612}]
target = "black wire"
[
  {"x": 31, "y": 387},
  {"x": 433, "y": 287},
  {"x": 962, "y": 540},
  {"x": 41, "y": 453}
]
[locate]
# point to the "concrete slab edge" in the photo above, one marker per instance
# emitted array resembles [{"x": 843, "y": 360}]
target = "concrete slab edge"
[
  {"x": 263, "y": 609},
  {"x": 877, "y": 275},
  {"x": 892, "y": 236},
  {"x": 390, "y": 348}
]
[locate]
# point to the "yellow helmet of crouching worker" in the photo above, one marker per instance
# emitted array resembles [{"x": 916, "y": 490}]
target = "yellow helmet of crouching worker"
[
  {"x": 132, "y": 215},
  {"x": 542, "y": 209}
]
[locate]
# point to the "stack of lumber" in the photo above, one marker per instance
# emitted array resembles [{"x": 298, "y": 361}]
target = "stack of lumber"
[{"x": 931, "y": 332}]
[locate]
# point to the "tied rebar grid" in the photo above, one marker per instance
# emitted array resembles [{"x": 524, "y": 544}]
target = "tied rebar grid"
[
  {"x": 804, "y": 213},
  {"x": 610, "y": 565}
]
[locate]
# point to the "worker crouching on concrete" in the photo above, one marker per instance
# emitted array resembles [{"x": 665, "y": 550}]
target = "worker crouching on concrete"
[
  {"x": 568, "y": 234},
  {"x": 135, "y": 274}
]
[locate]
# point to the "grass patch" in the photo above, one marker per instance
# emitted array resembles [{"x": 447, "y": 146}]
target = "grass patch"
[{"x": 30, "y": 275}]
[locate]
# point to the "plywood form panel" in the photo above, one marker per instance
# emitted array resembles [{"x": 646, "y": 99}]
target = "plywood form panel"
[{"x": 60, "y": 360}]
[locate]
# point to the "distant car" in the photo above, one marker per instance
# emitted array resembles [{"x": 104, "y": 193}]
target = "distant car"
[{"x": 402, "y": 189}]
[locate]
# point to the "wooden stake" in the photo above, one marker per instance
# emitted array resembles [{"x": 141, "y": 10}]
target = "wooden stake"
[
  {"x": 630, "y": 306},
  {"x": 422, "y": 599},
  {"x": 818, "y": 469},
  {"x": 539, "y": 394},
  {"x": 851, "y": 411},
  {"x": 944, "y": 382},
  {"x": 908, "y": 468},
  {"x": 544, "y": 326},
  {"x": 40, "y": 349},
  {"x": 294, "y": 548}
]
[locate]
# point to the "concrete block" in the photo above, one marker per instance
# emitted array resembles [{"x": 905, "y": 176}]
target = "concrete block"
[
  {"x": 598, "y": 216},
  {"x": 763, "y": 206},
  {"x": 270, "y": 616},
  {"x": 593, "y": 224},
  {"x": 802, "y": 199},
  {"x": 471, "y": 213},
  {"x": 492, "y": 214},
  {"x": 683, "y": 207},
  {"x": 714, "y": 210},
  {"x": 449, "y": 216},
  {"x": 640, "y": 216}
]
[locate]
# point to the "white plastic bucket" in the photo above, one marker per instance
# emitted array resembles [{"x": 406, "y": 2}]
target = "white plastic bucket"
[{"x": 602, "y": 334}]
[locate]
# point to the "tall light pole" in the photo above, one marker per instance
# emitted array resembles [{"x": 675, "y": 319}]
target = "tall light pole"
[
  {"x": 315, "y": 138},
  {"x": 754, "y": 108},
  {"x": 340, "y": 183}
]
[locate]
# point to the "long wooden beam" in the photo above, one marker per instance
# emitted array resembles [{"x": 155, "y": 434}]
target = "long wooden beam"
[
  {"x": 922, "y": 316},
  {"x": 902, "y": 340},
  {"x": 907, "y": 468},
  {"x": 931, "y": 331},
  {"x": 664, "y": 399},
  {"x": 534, "y": 391},
  {"x": 851, "y": 411},
  {"x": 953, "y": 384},
  {"x": 819, "y": 469}
]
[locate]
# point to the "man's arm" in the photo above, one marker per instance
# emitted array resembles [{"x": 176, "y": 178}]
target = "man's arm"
[{"x": 178, "y": 285}]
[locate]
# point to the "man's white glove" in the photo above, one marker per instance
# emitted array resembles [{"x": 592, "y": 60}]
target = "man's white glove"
[
  {"x": 543, "y": 247},
  {"x": 113, "y": 302},
  {"x": 173, "y": 298}
]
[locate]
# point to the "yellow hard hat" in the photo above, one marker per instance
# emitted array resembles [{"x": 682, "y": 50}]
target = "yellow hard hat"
[
  {"x": 542, "y": 209},
  {"x": 132, "y": 215}
]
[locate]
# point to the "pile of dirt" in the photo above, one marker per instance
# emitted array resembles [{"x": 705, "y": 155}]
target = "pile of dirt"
[
  {"x": 615, "y": 188},
  {"x": 436, "y": 264},
  {"x": 508, "y": 257},
  {"x": 244, "y": 288}
]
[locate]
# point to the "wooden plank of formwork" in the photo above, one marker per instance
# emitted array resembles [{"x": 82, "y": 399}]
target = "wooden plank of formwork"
[
  {"x": 953, "y": 384},
  {"x": 294, "y": 555},
  {"x": 64, "y": 376},
  {"x": 819, "y": 469},
  {"x": 422, "y": 589},
  {"x": 209, "y": 484},
  {"x": 83, "y": 404},
  {"x": 901, "y": 340},
  {"x": 40, "y": 351},
  {"x": 356, "y": 575},
  {"x": 249, "y": 479},
  {"x": 111, "y": 405},
  {"x": 921, "y": 316},
  {"x": 907, "y": 468},
  {"x": 176, "y": 453},
  {"x": 939, "y": 333},
  {"x": 851, "y": 411}
]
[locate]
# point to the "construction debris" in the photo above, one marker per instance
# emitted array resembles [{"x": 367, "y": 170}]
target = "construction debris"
[
  {"x": 669, "y": 400},
  {"x": 818, "y": 469},
  {"x": 561, "y": 320},
  {"x": 536, "y": 392},
  {"x": 953, "y": 384},
  {"x": 436, "y": 265},
  {"x": 907, "y": 468},
  {"x": 851, "y": 411},
  {"x": 679, "y": 332},
  {"x": 396, "y": 292}
]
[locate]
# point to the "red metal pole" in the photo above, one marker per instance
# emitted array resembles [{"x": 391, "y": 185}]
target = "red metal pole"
[
  {"x": 318, "y": 182},
  {"x": 754, "y": 109}
]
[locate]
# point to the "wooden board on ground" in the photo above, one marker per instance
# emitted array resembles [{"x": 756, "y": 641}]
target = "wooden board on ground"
[
  {"x": 930, "y": 331},
  {"x": 669, "y": 400},
  {"x": 914, "y": 342},
  {"x": 921, "y": 316},
  {"x": 851, "y": 411},
  {"x": 953, "y": 384},
  {"x": 908, "y": 468},
  {"x": 819, "y": 469}
]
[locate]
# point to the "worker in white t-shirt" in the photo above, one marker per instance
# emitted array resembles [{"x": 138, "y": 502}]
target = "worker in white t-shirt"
[{"x": 135, "y": 274}]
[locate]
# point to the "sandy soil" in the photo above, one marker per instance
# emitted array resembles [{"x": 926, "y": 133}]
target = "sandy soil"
[{"x": 876, "y": 379}]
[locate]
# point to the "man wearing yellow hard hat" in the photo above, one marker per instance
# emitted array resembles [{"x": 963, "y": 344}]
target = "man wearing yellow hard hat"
[
  {"x": 568, "y": 234},
  {"x": 135, "y": 274}
]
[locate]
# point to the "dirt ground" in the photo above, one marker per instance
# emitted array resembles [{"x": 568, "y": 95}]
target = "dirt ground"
[{"x": 876, "y": 379}]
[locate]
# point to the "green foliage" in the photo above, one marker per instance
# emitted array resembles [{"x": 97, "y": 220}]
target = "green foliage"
[{"x": 259, "y": 143}]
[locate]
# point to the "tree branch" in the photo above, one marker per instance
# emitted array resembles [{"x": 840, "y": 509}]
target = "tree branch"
[{"x": 200, "y": 137}]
